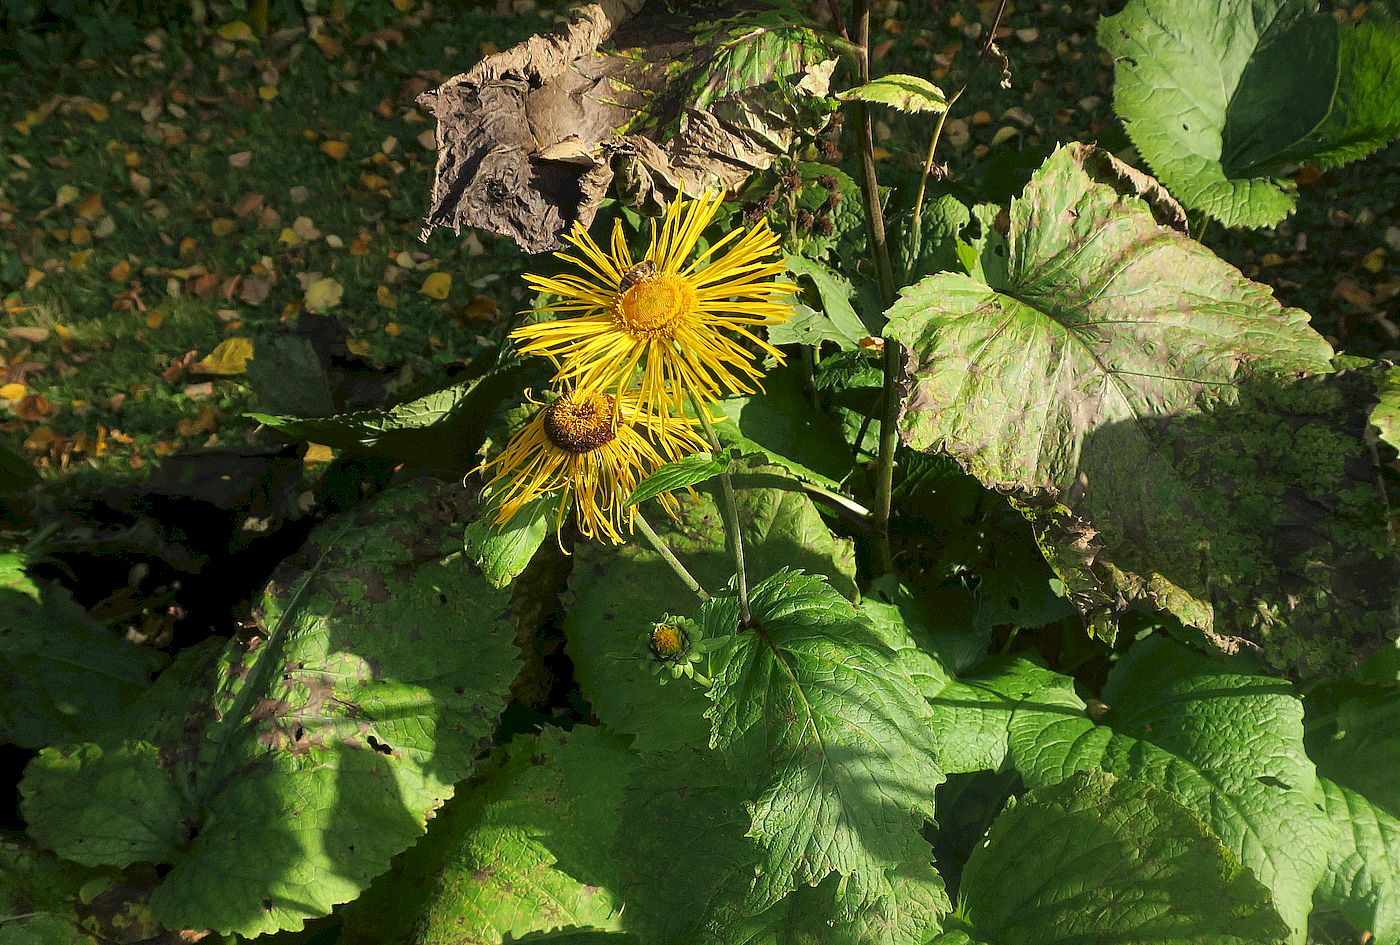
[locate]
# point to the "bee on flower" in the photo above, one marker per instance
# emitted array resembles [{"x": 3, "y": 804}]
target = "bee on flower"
[
  {"x": 687, "y": 320},
  {"x": 594, "y": 448}
]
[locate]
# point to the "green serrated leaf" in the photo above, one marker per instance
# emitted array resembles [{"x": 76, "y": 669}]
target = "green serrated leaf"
[
  {"x": 1097, "y": 859},
  {"x": 287, "y": 375},
  {"x": 680, "y": 474},
  {"x": 535, "y": 852},
  {"x": 277, "y": 776},
  {"x": 1218, "y": 96},
  {"x": 905, "y": 93},
  {"x": 62, "y": 674},
  {"x": 972, "y": 714},
  {"x": 1226, "y": 742},
  {"x": 815, "y": 704},
  {"x": 686, "y": 802},
  {"x": 1143, "y": 402},
  {"x": 502, "y": 552},
  {"x": 615, "y": 594}
]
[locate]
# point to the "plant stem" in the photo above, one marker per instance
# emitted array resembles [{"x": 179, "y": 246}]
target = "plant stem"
[
  {"x": 870, "y": 183},
  {"x": 729, "y": 508},
  {"x": 915, "y": 226},
  {"x": 884, "y": 276},
  {"x": 669, "y": 556}
]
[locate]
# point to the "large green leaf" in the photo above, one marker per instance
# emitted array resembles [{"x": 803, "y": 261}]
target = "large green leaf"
[
  {"x": 615, "y": 594},
  {"x": 1219, "y": 95},
  {"x": 1096, "y": 859},
  {"x": 1143, "y": 402},
  {"x": 688, "y": 870},
  {"x": 1363, "y": 872},
  {"x": 782, "y": 423},
  {"x": 820, "y": 710},
  {"x": 441, "y": 430},
  {"x": 536, "y": 853},
  {"x": 1354, "y": 736},
  {"x": 39, "y": 898},
  {"x": 61, "y": 672},
  {"x": 1226, "y": 742},
  {"x": 278, "y": 775}
]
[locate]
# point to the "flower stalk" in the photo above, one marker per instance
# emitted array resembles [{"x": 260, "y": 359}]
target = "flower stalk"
[{"x": 729, "y": 510}]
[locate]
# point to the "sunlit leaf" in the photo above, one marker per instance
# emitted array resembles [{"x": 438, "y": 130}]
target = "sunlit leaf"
[
  {"x": 278, "y": 774},
  {"x": 905, "y": 93},
  {"x": 1096, "y": 859},
  {"x": 1143, "y": 403},
  {"x": 1221, "y": 95}
]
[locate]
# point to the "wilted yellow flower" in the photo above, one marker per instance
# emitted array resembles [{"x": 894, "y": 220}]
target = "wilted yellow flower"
[
  {"x": 594, "y": 447},
  {"x": 683, "y": 323}
]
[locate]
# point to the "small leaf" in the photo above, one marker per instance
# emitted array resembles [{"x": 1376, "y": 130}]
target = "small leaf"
[
  {"x": 503, "y": 551},
  {"x": 845, "y": 326},
  {"x": 228, "y": 359},
  {"x": 437, "y": 285},
  {"x": 237, "y": 32},
  {"x": 906, "y": 93},
  {"x": 335, "y": 150},
  {"x": 323, "y": 295},
  {"x": 677, "y": 475}
]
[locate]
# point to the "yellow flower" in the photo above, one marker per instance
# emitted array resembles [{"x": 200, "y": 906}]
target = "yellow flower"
[
  {"x": 684, "y": 323},
  {"x": 596, "y": 448}
]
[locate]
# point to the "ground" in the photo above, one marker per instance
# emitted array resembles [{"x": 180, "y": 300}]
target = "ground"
[{"x": 169, "y": 208}]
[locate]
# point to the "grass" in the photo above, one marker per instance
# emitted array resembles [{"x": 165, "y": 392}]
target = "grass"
[{"x": 146, "y": 202}]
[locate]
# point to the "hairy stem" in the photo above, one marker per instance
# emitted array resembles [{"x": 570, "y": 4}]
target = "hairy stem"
[
  {"x": 729, "y": 508},
  {"x": 669, "y": 556}
]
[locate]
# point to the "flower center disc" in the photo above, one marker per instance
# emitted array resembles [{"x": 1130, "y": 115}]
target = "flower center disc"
[
  {"x": 580, "y": 425},
  {"x": 652, "y": 306}
]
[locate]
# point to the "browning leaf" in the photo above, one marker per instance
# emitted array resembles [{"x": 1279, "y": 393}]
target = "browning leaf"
[{"x": 530, "y": 139}]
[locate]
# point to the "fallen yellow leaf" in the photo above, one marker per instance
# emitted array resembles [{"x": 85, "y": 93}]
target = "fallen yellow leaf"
[
  {"x": 228, "y": 359},
  {"x": 393, "y": 330},
  {"x": 154, "y": 319},
  {"x": 267, "y": 92},
  {"x": 13, "y": 391},
  {"x": 237, "y": 32},
  {"x": 437, "y": 285},
  {"x": 95, "y": 110},
  {"x": 222, "y": 226},
  {"x": 120, "y": 272},
  {"x": 334, "y": 149},
  {"x": 358, "y": 347},
  {"x": 317, "y": 453},
  {"x": 90, "y": 207},
  {"x": 385, "y": 297},
  {"x": 323, "y": 294},
  {"x": 67, "y": 193}
]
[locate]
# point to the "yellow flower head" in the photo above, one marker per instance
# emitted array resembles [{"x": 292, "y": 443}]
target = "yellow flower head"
[
  {"x": 683, "y": 323},
  {"x": 596, "y": 448}
]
